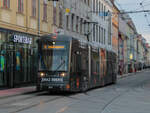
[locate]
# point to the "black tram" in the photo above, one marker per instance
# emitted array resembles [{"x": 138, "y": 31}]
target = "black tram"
[{"x": 71, "y": 64}]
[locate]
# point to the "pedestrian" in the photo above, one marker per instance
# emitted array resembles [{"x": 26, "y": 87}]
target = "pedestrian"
[{"x": 135, "y": 69}]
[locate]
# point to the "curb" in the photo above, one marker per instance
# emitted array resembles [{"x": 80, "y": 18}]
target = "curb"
[
  {"x": 130, "y": 74},
  {"x": 32, "y": 90}
]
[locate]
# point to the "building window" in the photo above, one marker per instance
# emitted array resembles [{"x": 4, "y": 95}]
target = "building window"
[
  {"x": 77, "y": 24},
  {"x": 104, "y": 36},
  {"x": 99, "y": 7},
  {"x": 72, "y": 22},
  {"x": 96, "y": 6},
  {"x": 54, "y": 13},
  {"x": 20, "y": 6},
  {"x": 104, "y": 11},
  {"x": 93, "y": 5},
  {"x": 99, "y": 34},
  {"x": 34, "y": 8},
  {"x": 85, "y": 26},
  {"x": 45, "y": 11},
  {"x": 93, "y": 32},
  {"x": 81, "y": 25},
  {"x": 6, "y": 3},
  {"x": 88, "y": 2},
  {"x": 67, "y": 22},
  {"x": 60, "y": 19}
]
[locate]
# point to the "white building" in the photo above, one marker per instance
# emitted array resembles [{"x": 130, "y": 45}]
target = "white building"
[
  {"x": 75, "y": 20},
  {"x": 85, "y": 19},
  {"x": 102, "y": 32}
]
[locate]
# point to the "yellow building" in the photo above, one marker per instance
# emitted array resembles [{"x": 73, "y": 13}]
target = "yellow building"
[
  {"x": 23, "y": 16},
  {"x": 115, "y": 28},
  {"x": 20, "y": 26}
]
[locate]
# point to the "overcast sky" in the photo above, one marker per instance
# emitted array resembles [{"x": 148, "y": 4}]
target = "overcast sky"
[{"x": 141, "y": 20}]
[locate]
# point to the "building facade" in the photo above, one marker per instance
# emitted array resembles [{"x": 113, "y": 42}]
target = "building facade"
[
  {"x": 115, "y": 28},
  {"x": 102, "y": 31},
  {"x": 21, "y": 23},
  {"x": 123, "y": 41},
  {"x": 74, "y": 18}
]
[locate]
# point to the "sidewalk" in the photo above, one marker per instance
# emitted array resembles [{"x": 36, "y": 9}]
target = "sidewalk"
[
  {"x": 16, "y": 91},
  {"x": 129, "y": 74},
  {"x": 124, "y": 75}
]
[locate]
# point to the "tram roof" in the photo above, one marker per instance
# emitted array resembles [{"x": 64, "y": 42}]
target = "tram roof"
[{"x": 53, "y": 37}]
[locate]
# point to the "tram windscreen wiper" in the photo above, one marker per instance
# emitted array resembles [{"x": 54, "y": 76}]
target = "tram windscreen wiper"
[{"x": 59, "y": 67}]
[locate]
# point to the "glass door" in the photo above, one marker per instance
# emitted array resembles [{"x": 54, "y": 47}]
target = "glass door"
[
  {"x": 10, "y": 68},
  {"x": 2, "y": 68}
]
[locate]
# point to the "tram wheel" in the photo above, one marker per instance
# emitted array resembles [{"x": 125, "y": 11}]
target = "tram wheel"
[
  {"x": 84, "y": 87},
  {"x": 114, "y": 81}
]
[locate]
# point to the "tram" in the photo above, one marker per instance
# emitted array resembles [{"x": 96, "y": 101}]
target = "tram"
[{"x": 72, "y": 64}]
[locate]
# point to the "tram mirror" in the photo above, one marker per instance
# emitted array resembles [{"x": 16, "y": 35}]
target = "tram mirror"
[
  {"x": 78, "y": 52},
  {"x": 62, "y": 60}
]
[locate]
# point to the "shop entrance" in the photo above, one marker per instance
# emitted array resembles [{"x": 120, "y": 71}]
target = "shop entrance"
[
  {"x": 18, "y": 59},
  {"x": 17, "y": 65},
  {"x": 7, "y": 66}
]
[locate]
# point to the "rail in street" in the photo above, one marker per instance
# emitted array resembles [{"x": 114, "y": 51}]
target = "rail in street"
[{"x": 130, "y": 95}]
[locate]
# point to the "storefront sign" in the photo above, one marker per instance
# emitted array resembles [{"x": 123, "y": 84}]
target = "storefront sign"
[{"x": 22, "y": 39}]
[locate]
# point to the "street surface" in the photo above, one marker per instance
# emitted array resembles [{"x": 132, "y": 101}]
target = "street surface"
[{"x": 130, "y": 95}]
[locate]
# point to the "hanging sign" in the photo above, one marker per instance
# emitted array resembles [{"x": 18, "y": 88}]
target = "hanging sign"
[{"x": 22, "y": 39}]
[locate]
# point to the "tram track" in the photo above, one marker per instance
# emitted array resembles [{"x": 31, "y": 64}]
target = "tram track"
[
  {"x": 34, "y": 105},
  {"x": 25, "y": 102},
  {"x": 17, "y": 98},
  {"x": 117, "y": 91},
  {"x": 133, "y": 88}
]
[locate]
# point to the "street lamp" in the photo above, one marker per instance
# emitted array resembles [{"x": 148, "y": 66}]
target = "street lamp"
[{"x": 89, "y": 32}]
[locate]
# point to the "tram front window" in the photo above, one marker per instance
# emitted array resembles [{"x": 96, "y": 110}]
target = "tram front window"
[{"x": 54, "y": 57}]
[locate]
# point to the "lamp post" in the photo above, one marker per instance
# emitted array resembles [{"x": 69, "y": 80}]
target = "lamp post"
[
  {"x": 38, "y": 17},
  {"x": 89, "y": 32}
]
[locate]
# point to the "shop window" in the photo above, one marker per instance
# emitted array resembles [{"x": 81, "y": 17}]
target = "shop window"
[
  {"x": 45, "y": 11},
  {"x": 20, "y": 6},
  {"x": 60, "y": 19},
  {"x": 6, "y": 3},
  {"x": 34, "y": 8}
]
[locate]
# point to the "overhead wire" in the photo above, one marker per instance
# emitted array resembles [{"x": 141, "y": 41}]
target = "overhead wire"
[
  {"x": 146, "y": 16},
  {"x": 145, "y": 4},
  {"x": 142, "y": 5}
]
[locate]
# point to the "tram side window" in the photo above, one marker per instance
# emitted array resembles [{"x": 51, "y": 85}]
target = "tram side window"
[
  {"x": 95, "y": 63},
  {"x": 84, "y": 62},
  {"x": 78, "y": 66},
  {"x": 79, "y": 63},
  {"x": 75, "y": 62}
]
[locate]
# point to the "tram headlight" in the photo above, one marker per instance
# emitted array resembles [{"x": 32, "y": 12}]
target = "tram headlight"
[
  {"x": 63, "y": 74},
  {"x": 42, "y": 74}
]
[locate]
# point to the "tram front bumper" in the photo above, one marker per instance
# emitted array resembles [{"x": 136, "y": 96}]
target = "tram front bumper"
[{"x": 55, "y": 87}]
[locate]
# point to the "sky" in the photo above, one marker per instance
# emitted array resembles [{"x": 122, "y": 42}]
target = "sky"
[{"x": 141, "y": 20}]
